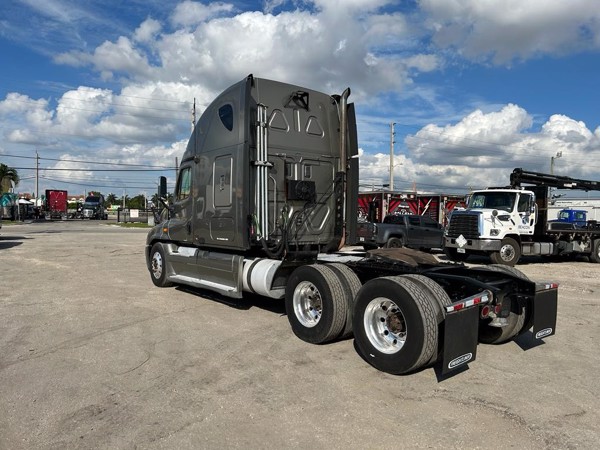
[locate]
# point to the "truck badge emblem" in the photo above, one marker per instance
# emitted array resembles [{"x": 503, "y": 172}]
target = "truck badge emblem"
[{"x": 460, "y": 360}]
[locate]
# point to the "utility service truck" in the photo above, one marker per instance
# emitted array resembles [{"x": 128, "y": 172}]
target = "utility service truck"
[
  {"x": 265, "y": 201},
  {"x": 506, "y": 223}
]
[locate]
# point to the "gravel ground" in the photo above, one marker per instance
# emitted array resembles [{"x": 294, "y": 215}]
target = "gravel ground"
[{"x": 92, "y": 355}]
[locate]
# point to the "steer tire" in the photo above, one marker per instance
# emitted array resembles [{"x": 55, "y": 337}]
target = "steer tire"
[
  {"x": 315, "y": 303},
  {"x": 395, "y": 324},
  {"x": 509, "y": 253},
  {"x": 351, "y": 285},
  {"x": 158, "y": 266}
]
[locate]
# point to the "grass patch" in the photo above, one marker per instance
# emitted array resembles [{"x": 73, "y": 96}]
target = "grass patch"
[{"x": 133, "y": 225}]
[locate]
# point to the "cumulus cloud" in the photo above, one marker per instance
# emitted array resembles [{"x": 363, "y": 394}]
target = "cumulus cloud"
[
  {"x": 505, "y": 30},
  {"x": 202, "y": 47},
  {"x": 327, "y": 47},
  {"x": 483, "y": 148},
  {"x": 147, "y": 31},
  {"x": 189, "y": 13}
]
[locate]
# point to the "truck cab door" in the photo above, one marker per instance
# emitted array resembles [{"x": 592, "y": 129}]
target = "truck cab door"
[
  {"x": 526, "y": 223},
  {"x": 180, "y": 225}
]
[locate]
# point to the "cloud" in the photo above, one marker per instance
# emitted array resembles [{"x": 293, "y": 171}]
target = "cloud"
[
  {"x": 147, "y": 31},
  {"x": 501, "y": 31},
  {"x": 189, "y": 13},
  {"x": 160, "y": 65},
  {"x": 482, "y": 149},
  {"x": 327, "y": 48}
]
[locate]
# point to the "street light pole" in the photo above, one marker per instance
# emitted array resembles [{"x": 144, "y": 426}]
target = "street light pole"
[{"x": 552, "y": 158}]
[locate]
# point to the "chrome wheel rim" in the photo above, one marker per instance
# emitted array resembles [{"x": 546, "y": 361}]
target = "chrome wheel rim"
[
  {"x": 308, "y": 304},
  {"x": 507, "y": 253},
  {"x": 157, "y": 265},
  {"x": 385, "y": 325}
]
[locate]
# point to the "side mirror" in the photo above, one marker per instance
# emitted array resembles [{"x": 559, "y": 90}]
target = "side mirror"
[{"x": 162, "y": 187}]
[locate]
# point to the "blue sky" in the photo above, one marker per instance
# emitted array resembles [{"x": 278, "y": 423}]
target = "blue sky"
[{"x": 474, "y": 88}]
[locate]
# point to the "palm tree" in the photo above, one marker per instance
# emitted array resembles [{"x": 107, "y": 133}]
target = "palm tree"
[
  {"x": 7, "y": 174},
  {"x": 111, "y": 199}
]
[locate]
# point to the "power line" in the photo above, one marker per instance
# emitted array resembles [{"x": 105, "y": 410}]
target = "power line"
[
  {"x": 94, "y": 184},
  {"x": 86, "y": 136},
  {"x": 92, "y": 162},
  {"x": 93, "y": 170},
  {"x": 462, "y": 145}
]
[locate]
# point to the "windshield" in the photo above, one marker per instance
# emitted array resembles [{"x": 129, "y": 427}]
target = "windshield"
[{"x": 493, "y": 200}]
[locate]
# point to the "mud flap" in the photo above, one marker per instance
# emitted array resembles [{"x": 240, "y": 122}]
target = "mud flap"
[
  {"x": 545, "y": 304},
  {"x": 460, "y": 338}
]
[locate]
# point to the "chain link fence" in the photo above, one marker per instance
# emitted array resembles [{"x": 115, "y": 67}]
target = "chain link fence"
[{"x": 129, "y": 215}]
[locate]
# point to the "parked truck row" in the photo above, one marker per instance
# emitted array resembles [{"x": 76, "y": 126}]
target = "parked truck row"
[
  {"x": 56, "y": 206},
  {"x": 266, "y": 200}
]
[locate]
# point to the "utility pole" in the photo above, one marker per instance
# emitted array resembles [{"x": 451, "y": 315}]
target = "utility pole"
[
  {"x": 392, "y": 156},
  {"x": 37, "y": 177},
  {"x": 176, "y": 167}
]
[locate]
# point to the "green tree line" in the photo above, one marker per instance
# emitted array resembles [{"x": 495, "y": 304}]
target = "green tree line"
[{"x": 7, "y": 174}]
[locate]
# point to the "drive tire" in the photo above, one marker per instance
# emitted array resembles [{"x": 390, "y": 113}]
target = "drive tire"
[
  {"x": 516, "y": 319},
  {"x": 395, "y": 324},
  {"x": 508, "y": 269},
  {"x": 595, "y": 255},
  {"x": 315, "y": 303},
  {"x": 440, "y": 301},
  {"x": 158, "y": 266},
  {"x": 509, "y": 253},
  {"x": 351, "y": 285}
]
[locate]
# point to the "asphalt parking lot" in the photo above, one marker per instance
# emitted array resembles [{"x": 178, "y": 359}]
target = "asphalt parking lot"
[{"x": 92, "y": 355}]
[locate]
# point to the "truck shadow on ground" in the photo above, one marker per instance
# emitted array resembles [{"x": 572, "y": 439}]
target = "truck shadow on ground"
[
  {"x": 527, "y": 341},
  {"x": 276, "y": 306},
  {"x": 11, "y": 241},
  {"x": 437, "y": 367}
]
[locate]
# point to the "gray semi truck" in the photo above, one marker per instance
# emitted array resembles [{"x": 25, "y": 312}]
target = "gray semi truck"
[{"x": 266, "y": 200}]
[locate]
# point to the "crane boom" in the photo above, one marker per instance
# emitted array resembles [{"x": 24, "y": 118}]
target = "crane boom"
[{"x": 520, "y": 176}]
